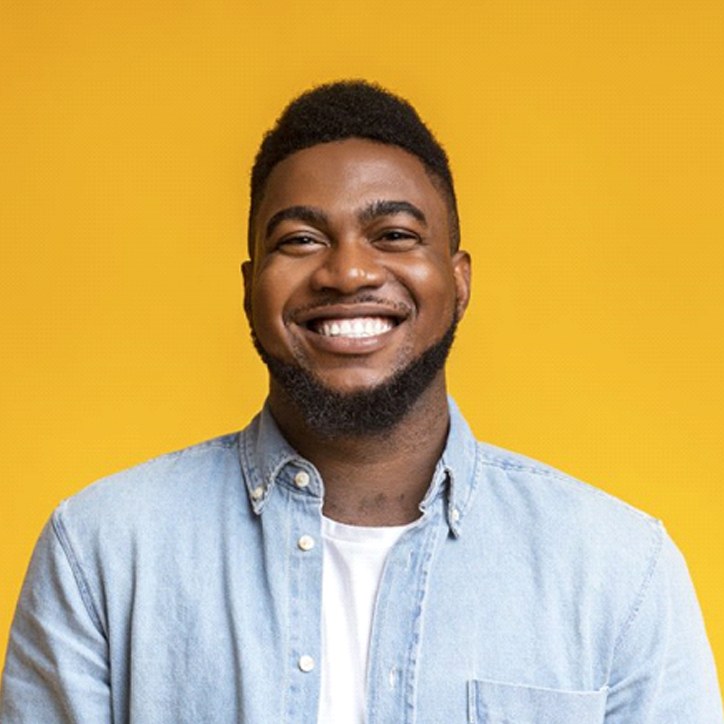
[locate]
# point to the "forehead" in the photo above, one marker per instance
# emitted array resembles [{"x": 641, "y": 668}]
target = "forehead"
[{"x": 342, "y": 176}]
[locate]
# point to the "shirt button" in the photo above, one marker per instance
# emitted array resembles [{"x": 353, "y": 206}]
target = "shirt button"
[
  {"x": 258, "y": 492},
  {"x": 306, "y": 543},
  {"x": 306, "y": 663},
  {"x": 301, "y": 479},
  {"x": 455, "y": 515}
]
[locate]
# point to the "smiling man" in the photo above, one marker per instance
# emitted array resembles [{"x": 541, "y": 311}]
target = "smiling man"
[
  {"x": 353, "y": 294},
  {"x": 355, "y": 555}
]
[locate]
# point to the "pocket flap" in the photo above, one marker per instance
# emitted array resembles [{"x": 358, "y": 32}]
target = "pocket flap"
[{"x": 492, "y": 702}]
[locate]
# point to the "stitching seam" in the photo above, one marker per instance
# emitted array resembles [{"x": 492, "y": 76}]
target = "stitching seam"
[{"x": 83, "y": 587}]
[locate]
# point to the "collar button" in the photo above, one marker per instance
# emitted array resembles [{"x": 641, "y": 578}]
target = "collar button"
[{"x": 301, "y": 479}]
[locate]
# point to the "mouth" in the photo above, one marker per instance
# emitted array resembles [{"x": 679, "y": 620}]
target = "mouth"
[
  {"x": 358, "y": 321},
  {"x": 351, "y": 327}
]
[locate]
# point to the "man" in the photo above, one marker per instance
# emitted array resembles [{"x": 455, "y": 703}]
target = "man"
[{"x": 354, "y": 554}]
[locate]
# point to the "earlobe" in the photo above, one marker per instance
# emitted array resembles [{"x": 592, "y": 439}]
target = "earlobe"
[{"x": 461, "y": 271}]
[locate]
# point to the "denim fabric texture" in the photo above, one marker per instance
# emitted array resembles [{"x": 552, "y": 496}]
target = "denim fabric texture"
[{"x": 188, "y": 589}]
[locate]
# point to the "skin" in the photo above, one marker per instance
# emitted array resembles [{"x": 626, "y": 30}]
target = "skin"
[{"x": 357, "y": 229}]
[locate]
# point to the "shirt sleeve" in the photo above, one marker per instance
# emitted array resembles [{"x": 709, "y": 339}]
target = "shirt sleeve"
[
  {"x": 663, "y": 669},
  {"x": 56, "y": 668}
]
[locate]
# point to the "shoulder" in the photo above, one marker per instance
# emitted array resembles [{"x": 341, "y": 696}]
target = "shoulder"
[
  {"x": 554, "y": 492},
  {"x": 536, "y": 501},
  {"x": 566, "y": 523},
  {"x": 169, "y": 487}
]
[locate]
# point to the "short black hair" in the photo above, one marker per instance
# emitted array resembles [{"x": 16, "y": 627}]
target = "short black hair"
[{"x": 351, "y": 109}]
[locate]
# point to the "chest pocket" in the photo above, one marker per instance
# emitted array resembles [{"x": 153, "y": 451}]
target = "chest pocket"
[{"x": 490, "y": 702}]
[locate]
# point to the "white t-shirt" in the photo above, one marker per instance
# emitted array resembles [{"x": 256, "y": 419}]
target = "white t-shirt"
[{"x": 353, "y": 560}]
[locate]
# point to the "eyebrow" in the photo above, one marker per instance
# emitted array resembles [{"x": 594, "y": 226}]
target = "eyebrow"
[
  {"x": 375, "y": 210},
  {"x": 389, "y": 208},
  {"x": 308, "y": 214}
]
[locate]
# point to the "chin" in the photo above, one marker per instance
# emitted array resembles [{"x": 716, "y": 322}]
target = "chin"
[
  {"x": 365, "y": 404},
  {"x": 352, "y": 384}
]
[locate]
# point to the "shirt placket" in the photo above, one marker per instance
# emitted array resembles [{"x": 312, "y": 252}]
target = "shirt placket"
[
  {"x": 395, "y": 641},
  {"x": 304, "y": 559}
]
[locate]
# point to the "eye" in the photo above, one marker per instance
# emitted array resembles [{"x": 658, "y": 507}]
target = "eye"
[
  {"x": 298, "y": 244},
  {"x": 397, "y": 240}
]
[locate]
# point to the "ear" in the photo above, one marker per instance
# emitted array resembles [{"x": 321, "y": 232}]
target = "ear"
[
  {"x": 461, "y": 272},
  {"x": 247, "y": 272}
]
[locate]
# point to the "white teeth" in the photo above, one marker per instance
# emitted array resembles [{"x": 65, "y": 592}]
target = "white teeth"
[{"x": 357, "y": 327}]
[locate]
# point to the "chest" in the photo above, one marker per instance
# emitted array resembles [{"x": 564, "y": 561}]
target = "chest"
[{"x": 231, "y": 630}]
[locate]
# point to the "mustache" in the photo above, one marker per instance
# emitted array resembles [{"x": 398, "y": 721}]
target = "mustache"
[{"x": 333, "y": 299}]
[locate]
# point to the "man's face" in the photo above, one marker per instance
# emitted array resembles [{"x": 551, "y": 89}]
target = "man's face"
[{"x": 353, "y": 277}]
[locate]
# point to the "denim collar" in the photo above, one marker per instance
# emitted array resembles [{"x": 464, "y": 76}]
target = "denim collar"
[{"x": 268, "y": 460}]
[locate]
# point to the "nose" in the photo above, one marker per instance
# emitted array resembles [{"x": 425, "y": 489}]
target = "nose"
[{"x": 347, "y": 267}]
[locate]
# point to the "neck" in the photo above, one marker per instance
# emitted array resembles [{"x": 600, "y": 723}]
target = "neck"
[{"x": 379, "y": 479}]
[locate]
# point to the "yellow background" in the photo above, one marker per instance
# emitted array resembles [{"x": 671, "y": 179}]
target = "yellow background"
[{"x": 586, "y": 139}]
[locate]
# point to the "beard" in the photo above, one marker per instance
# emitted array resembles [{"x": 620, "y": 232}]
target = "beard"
[{"x": 365, "y": 412}]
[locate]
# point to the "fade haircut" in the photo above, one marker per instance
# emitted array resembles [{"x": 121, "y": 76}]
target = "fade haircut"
[{"x": 351, "y": 109}]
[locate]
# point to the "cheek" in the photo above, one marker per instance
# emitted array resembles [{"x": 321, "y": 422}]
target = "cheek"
[
  {"x": 433, "y": 286},
  {"x": 273, "y": 292},
  {"x": 266, "y": 305}
]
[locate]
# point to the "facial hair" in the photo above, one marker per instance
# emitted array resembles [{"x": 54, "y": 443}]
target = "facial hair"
[{"x": 366, "y": 412}]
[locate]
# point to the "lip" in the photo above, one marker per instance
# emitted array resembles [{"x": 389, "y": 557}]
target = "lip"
[
  {"x": 349, "y": 311},
  {"x": 347, "y": 345}
]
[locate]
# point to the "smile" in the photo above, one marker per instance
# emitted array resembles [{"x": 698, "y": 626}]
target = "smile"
[{"x": 353, "y": 328}]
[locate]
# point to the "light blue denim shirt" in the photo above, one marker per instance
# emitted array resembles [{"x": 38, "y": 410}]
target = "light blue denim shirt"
[{"x": 178, "y": 591}]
